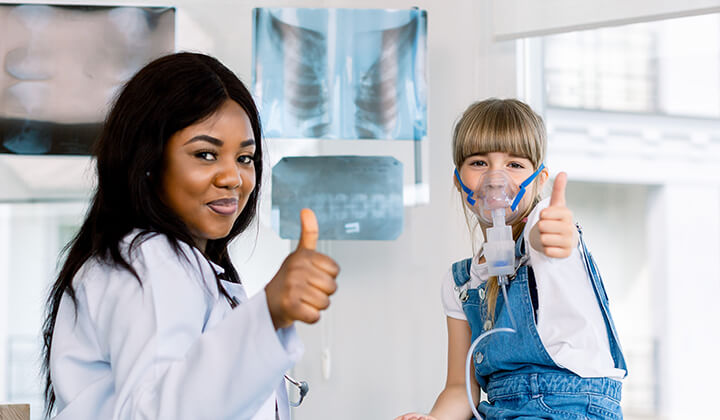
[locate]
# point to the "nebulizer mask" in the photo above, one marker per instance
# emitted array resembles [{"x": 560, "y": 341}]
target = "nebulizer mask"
[{"x": 495, "y": 201}]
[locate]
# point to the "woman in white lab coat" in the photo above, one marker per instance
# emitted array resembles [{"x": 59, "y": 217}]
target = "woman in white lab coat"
[{"x": 148, "y": 318}]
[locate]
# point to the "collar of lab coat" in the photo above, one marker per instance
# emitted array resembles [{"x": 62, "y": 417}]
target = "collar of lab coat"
[
  {"x": 218, "y": 270},
  {"x": 191, "y": 252},
  {"x": 210, "y": 280}
]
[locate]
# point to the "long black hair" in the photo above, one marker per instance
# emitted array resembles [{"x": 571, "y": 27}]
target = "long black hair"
[{"x": 167, "y": 95}]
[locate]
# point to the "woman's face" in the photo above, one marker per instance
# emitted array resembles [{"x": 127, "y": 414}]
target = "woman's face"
[{"x": 209, "y": 172}]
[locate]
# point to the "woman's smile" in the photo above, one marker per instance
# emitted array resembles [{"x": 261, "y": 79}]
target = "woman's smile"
[{"x": 224, "y": 206}]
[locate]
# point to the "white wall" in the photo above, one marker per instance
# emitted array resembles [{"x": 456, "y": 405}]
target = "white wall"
[{"x": 685, "y": 240}]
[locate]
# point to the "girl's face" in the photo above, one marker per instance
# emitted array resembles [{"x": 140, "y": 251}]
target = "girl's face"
[
  {"x": 209, "y": 172},
  {"x": 517, "y": 168}
]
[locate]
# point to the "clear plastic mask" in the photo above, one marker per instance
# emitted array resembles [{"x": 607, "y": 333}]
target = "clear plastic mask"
[{"x": 496, "y": 190}]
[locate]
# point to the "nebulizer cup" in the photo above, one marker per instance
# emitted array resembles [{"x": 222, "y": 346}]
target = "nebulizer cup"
[{"x": 496, "y": 197}]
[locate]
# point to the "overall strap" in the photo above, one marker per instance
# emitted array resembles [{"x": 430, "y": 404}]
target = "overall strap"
[
  {"x": 603, "y": 301},
  {"x": 520, "y": 246},
  {"x": 461, "y": 271},
  {"x": 521, "y": 256}
]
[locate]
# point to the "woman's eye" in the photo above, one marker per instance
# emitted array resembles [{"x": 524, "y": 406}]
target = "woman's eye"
[
  {"x": 246, "y": 159},
  {"x": 209, "y": 156}
]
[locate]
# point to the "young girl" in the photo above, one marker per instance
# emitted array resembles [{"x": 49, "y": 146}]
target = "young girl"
[
  {"x": 147, "y": 318},
  {"x": 563, "y": 360}
]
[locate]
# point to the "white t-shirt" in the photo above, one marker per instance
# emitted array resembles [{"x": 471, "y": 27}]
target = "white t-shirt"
[
  {"x": 171, "y": 348},
  {"x": 569, "y": 318}
]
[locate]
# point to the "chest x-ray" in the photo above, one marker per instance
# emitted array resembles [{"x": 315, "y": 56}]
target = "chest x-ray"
[
  {"x": 353, "y": 197},
  {"x": 341, "y": 73},
  {"x": 61, "y": 66}
]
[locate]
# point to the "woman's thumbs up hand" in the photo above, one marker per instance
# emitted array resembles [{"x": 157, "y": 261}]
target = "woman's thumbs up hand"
[
  {"x": 305, "y": 281},
  {"x": 555, "y": 234}
]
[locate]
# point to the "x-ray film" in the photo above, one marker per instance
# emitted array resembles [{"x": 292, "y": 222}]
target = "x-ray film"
[
  {"x": 341, "y": 73},
  {"x": 61, "y": 66},
  {"x": 353, "y": 197}
]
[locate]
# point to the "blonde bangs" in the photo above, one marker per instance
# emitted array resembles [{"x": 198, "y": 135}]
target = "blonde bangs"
[{"x": 496, "y": 125}]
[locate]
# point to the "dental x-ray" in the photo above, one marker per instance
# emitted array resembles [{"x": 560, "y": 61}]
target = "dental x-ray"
[{"x": 353, "y": 197}]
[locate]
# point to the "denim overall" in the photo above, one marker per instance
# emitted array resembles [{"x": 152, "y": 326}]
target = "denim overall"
[{"x": 515, "y": 370}]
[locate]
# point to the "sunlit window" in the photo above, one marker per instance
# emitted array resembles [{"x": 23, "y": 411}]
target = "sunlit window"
[{"x": 669, "y": 67}]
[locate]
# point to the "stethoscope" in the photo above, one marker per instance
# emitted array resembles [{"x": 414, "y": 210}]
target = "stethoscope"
[{"x": 302, "y": 386}]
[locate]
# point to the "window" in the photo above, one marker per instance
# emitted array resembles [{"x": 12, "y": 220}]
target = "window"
[{"x": 668, "y": 67}]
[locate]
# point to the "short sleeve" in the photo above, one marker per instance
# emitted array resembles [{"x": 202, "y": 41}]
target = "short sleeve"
[{"x": 450, "y": 299}]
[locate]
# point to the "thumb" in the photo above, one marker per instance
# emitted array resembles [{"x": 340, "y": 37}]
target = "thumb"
[
  {"x": 308, "y": 230},
  {"x": 558, "y": 191}
]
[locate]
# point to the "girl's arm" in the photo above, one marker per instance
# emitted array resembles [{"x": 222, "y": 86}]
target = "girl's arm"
[{"x": 452, "y": 402}]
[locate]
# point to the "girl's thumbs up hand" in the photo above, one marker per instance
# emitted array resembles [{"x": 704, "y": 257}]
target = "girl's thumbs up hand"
[
  {"x": 305, "y": 281},
  {"x": 555, "y": 234}
]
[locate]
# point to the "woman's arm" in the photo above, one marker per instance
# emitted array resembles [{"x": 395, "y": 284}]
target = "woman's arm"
[
  {"x": 165, "y": 363},
  {"x": 452, "y": 402}
]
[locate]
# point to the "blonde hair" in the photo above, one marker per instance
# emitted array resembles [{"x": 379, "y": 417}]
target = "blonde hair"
[{"x": 500, "y": 125}]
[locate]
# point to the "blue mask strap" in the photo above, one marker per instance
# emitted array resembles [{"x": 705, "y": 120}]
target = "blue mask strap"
[
  {"x": 524, "y": 185},
  {"x": 467, "y": 190}
]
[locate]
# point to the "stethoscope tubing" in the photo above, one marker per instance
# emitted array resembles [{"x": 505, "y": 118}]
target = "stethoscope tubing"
[{"x": 302, "y": 386}]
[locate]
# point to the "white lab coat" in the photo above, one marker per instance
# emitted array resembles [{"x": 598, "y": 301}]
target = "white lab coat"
[{"x": 169, "y": 349}]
